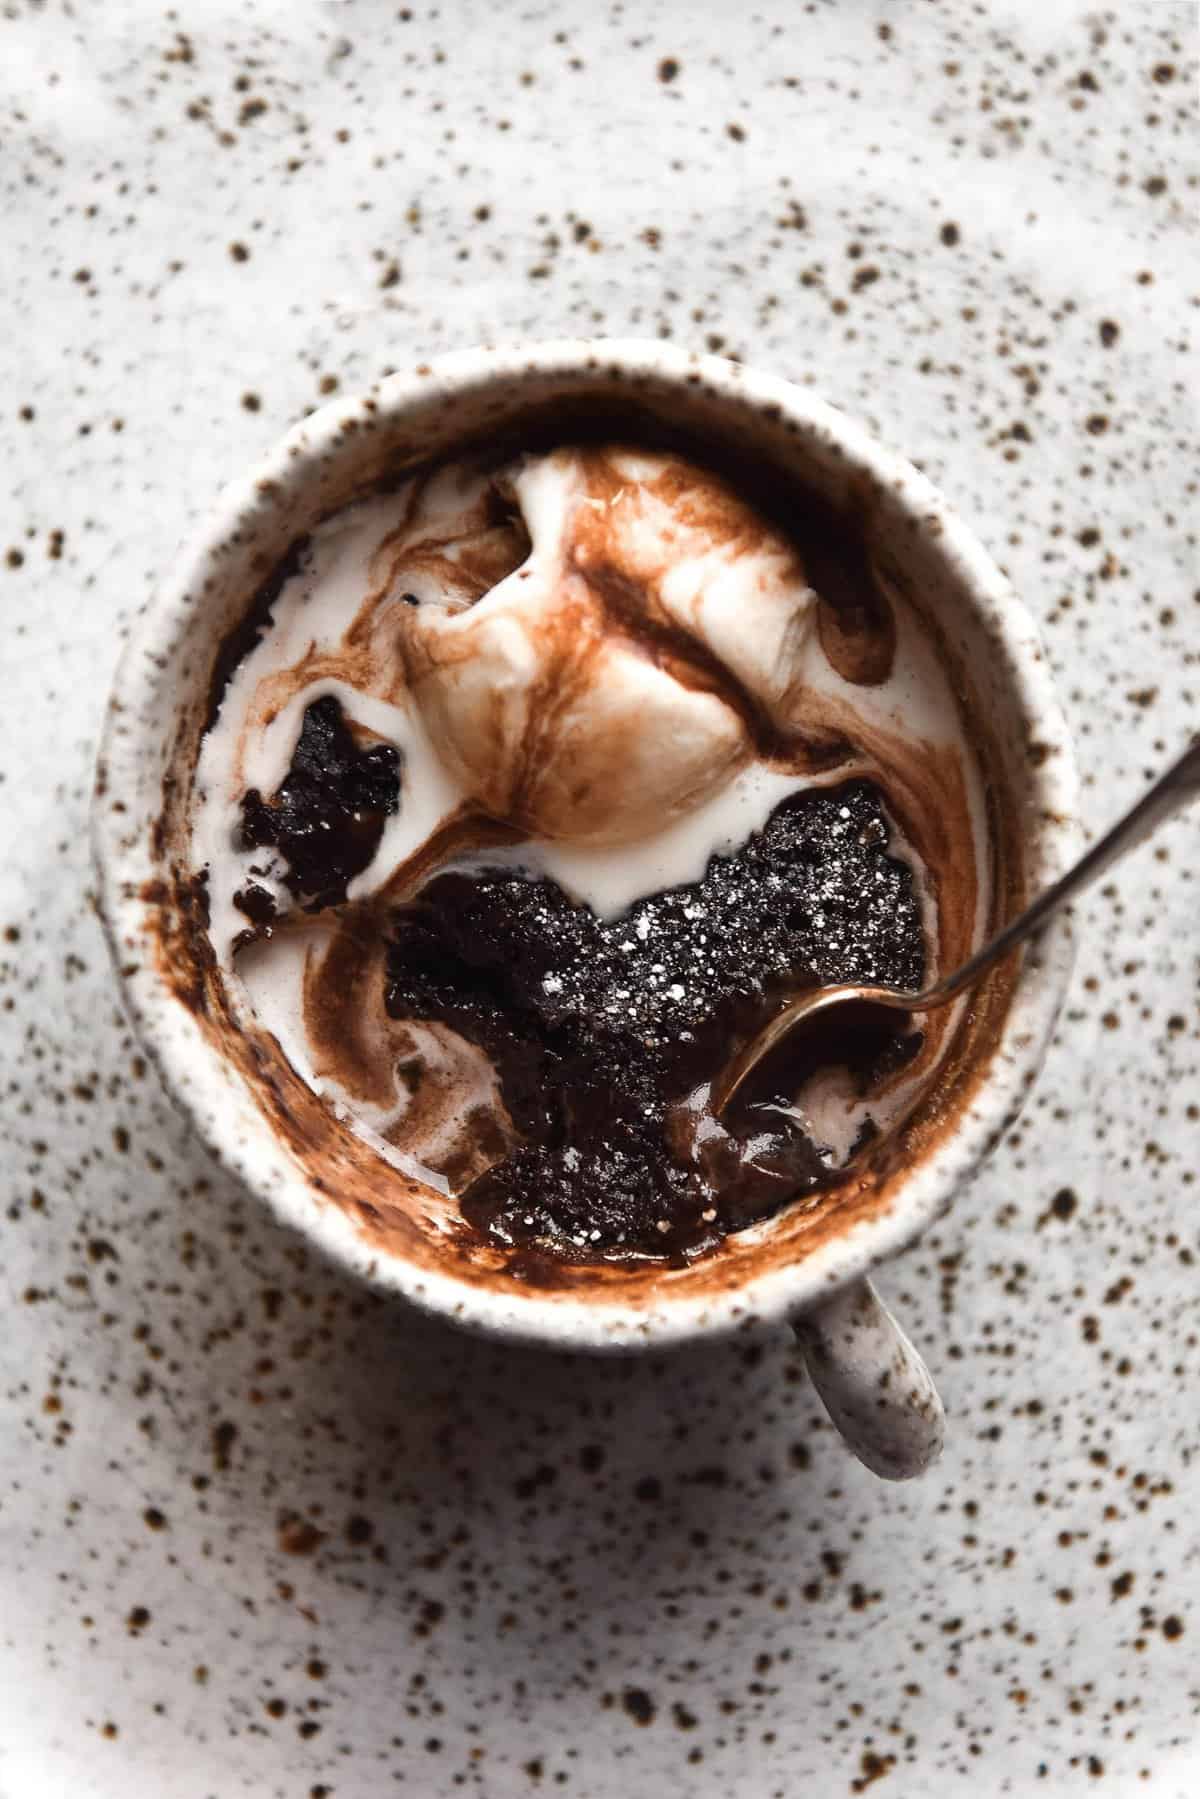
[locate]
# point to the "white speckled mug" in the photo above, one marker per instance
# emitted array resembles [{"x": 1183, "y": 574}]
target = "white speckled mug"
[{"x": 806, "y": 1266}]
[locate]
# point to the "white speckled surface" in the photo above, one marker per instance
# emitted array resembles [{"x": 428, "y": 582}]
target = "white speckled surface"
[{"x": 262, "y": 1534}]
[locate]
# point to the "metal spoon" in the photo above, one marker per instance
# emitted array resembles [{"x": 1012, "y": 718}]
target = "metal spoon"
[{"x": 1169, "y": 794}]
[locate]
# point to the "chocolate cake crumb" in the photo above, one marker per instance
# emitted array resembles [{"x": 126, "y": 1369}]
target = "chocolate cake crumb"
[
  {"x": 328, "y": 816},
  {"x": 601, "y": 1029}
]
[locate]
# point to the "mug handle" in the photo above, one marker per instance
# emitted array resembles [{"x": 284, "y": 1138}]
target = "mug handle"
[{"x": 872, "y": 1382}]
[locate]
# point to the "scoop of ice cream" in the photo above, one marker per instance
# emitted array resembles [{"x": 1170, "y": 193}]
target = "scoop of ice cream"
[{"x": 644, "y": 648}]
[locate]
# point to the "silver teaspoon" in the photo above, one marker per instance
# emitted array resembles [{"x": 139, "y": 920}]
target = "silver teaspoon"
[{"x": 1170, "y": 794}]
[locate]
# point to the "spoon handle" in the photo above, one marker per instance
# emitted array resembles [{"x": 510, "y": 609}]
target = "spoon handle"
[{"x": 1170, "y": 794}]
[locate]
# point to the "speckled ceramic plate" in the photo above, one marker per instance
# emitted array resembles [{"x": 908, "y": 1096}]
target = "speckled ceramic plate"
[{"x": 261, "y": 1533}]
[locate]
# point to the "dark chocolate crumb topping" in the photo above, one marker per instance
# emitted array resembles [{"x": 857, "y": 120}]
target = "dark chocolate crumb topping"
[
  {"x": 600, "y": 1029},
  {"x": 327, "y": 817}
]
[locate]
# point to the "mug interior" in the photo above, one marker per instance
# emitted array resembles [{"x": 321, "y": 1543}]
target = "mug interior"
[{"x": 250, "y": 1106}]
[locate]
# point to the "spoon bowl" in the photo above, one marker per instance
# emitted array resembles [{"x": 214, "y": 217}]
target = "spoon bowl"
[
  {"x": 792, "y": 1017},
  {"x": 1169, "y": 794}
]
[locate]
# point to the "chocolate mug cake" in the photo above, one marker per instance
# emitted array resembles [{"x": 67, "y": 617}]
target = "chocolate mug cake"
[{"x": 533, "y": 782}]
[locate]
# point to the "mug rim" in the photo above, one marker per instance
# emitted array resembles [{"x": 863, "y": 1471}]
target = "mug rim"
[{"x": 196, "y": 1075}]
